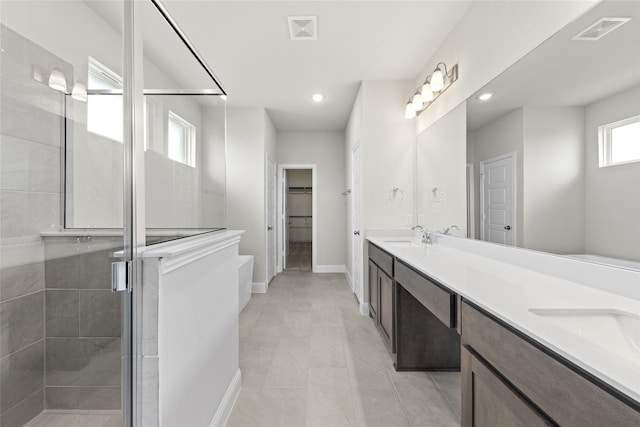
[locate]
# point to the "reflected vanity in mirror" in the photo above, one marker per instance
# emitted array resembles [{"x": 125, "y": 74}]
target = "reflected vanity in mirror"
[{"x": 547, "y": 166}]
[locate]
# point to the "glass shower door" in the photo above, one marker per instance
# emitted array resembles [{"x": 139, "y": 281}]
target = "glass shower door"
[{"x": 65, "y": 340}]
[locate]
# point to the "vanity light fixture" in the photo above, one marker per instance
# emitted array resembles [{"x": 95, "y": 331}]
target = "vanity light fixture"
[
  {"x": 57, "y": 80},
  {"x": 79, "y": 92},
  {"x": 485, "y": 96},
  {"x": 435, "y": 83},
  {"x": 317, "y": 97}
]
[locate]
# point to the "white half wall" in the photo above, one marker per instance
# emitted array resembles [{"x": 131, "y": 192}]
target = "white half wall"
[{"x": 326, "y": 151}]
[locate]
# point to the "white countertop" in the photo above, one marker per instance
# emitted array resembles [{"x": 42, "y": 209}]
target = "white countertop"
[{"x": 593, "y": 339}]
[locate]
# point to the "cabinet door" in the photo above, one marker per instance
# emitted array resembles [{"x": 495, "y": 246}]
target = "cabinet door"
[
  {"x": 373, "y": 291},
  {"x": 386, "y": 306},
  {"x": 488, "y": 401}
]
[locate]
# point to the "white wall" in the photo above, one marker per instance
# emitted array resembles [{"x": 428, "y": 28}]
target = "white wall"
[
  {"x": 387, "y": 160},
  {"x": 352, "y": 138},
  {"x": 553, "y": 180},
  {"x": 501, "y": 136},
  {"x": 213, "y": 166},
  {"x": 326, "y": 151},
  {"x": 246, "y": 140},
  {"x": 612, "y": 225},
  {"x": 491, "y": 36},
  {"x": 441, "y": 163}
]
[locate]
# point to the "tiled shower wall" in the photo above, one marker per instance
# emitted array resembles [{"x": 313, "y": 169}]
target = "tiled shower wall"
[
  {"x": 31, "y": 130},
  {"x": 59, "y": 313},
  {"x": 82, "y": 331}
]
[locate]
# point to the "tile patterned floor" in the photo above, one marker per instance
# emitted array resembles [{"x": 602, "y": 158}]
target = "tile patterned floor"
[
  {"x": 77, "y": 419},
  {"x": 299, "y": 256},
  {"x": 308, "y": 358}
]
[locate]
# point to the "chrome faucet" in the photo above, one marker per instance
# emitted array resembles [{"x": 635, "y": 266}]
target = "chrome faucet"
[
  {"x": 426, "y": 237},
  {"x": 449, "y": 229}
]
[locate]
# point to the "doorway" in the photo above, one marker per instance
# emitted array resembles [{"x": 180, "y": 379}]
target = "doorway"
[
  {"x": 297, "y": 211},
  {"x": 497, "y": 200}
]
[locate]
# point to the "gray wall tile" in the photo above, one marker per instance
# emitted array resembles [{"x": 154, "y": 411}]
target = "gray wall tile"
[
  {"x": 96, "y": 398},
  {"x": 23, "y": 412},
  {"x": 21, "y": 374},
  {"x": 28, "y": 214},
  {"x": 62, "y": 313},
  {"x": 100, "y": 313},
  {"x": 90, "y": 270},
  {"x": 29, "y": 166},
  {"x": 21, "y": 322},
  {"x": 21, "y": 280},
  {"x": 83, "y": 361}
]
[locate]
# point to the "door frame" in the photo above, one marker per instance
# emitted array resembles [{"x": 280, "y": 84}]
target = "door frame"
[
  {"x": 514, "y": 228},
  {"x": 281, "y": 199},
  {"x": 268, "y": 159},
  {"x": 471, "y": 201},
  {"x": 359, "y": 269}
]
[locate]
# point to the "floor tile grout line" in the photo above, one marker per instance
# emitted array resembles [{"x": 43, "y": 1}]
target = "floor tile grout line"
[
  {"x": 404, "y": 408},
  {"x": 444, "y": 395}
]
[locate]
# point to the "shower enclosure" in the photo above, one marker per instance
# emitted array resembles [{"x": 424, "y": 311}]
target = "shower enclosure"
[{"x": 112, "y": 137}]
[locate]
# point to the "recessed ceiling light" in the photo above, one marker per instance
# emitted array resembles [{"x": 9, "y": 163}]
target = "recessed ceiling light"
[
  {"x": 317, "y": 97},
  {"x": 485, "y": 96}
]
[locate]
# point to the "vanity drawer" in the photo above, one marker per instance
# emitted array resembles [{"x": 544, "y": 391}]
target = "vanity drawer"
[
  {"x": 434, "y": 297},
  {"x": 568, "y": 396},
  {"x": 381, "y": 258}
]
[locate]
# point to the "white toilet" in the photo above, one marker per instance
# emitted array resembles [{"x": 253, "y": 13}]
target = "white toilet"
[{"x": 245, "y": 280}]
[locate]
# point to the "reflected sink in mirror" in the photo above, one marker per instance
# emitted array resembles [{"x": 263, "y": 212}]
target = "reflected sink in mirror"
[{"x": 609, "y": 328}]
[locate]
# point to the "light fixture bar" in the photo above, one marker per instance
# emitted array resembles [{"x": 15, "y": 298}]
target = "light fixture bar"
[{"x": 434, "y": 85}]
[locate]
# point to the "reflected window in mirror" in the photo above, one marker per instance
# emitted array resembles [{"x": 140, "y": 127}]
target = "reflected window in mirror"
[
  {"x": 620, "y": 142},
  {"x": 181, "y": 140},
  {"x": 104, "y": 111}
]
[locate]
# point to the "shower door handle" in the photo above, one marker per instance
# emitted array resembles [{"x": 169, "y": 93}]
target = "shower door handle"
[{"x": 121, "y": 276}]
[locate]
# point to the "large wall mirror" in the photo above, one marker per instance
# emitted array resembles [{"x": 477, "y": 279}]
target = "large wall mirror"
[{"x": 553, "y": 157}]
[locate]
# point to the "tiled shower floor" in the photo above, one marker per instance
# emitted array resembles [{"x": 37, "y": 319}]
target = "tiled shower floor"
[
  {"x": 77, "y": 419},
  {"x": 308, "y": 358}
]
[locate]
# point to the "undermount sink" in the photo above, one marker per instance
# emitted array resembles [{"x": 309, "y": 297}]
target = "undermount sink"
[
  {"x": 609, "y": 328},
  {"x": 405, "y": 243}
]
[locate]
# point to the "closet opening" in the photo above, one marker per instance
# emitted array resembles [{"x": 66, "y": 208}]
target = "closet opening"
[{"x": 298, "y": 217}]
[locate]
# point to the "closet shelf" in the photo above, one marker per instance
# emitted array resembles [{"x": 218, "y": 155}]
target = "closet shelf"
[
  {"x": 300, "y": 190},
  {"x": 300, "y": 216}
]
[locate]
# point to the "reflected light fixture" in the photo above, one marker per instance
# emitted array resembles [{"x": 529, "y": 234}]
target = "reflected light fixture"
[
  {"x": 57, "y": 80},
  {"x": 434, "y": 85},
  {"x": 79, "y": 92},
  {"x": 317, "y": 97},
  {"x": 485, "y": 96}
]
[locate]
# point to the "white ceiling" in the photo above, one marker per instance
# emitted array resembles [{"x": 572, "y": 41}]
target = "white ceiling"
[
  {"x": 563, "y": 72},
  {"x": 247, "y": 45}
]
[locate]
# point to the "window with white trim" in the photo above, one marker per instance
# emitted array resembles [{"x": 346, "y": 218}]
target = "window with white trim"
[
  {"x": 181, "y": 141},
  {"x": 620, "y": 142},
  {"x": 104, "y": 112}
]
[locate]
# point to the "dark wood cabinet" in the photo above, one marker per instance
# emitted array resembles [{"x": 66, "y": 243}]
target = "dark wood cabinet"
[
  {"x": 493, "y": 402},
  {"x": 509, "y": 379},
  {"x": 373, "y": 291},
  {"x": 385, "y": 286},
  {"x": 381, "y": 294}
]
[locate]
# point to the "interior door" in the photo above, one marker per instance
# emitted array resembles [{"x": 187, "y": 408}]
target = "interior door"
[
  {"x": 285, "y": 219},
  {"x": 498, "y": 201},
  {"x": 356, "y": 266},
  {"x": 271, "y": 218}
]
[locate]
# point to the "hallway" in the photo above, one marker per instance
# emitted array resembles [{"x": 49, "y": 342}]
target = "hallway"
[{"x": 309, "y": 358}]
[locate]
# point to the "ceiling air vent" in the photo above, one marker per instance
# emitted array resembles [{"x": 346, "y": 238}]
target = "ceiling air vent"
[
  {"x": 303, "y": 27},
  {"x": 601, "y": 28}
]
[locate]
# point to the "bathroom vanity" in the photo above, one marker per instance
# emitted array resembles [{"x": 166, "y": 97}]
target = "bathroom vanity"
[{"x": 540, "y": 339}]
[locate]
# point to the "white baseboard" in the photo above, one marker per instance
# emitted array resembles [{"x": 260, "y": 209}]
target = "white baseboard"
[
  {"x": 364, "y": 308},
  {"x": 258, "y": 288},
  {"x": 226, "y": 406},
  {"x": 330, "y": 269},
  {"x": 349, "y": 280}
]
